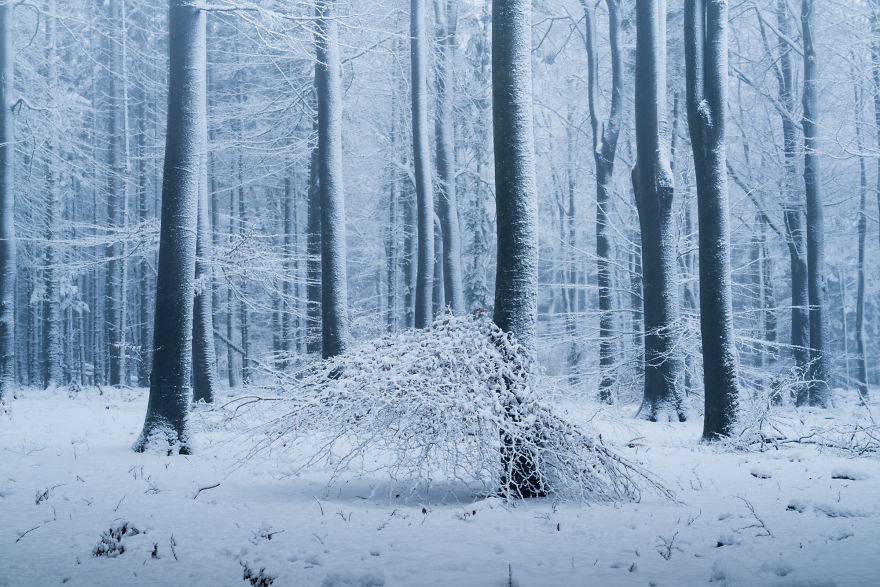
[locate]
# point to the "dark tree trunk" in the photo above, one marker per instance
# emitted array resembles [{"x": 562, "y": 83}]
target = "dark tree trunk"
[
  {"x": 604, "y": 151},
  {"x": 334, "y": 296},
  {"x": 706, "y": 58},
  {"x": 516, "y": 204},
  {"x": 422, "y": 163},
  {"x": 166, "y": 425},
  {"x": 654, "y": 187},
  {"x": 820, "y": 392},
  {"x": 7, "y": 208}
]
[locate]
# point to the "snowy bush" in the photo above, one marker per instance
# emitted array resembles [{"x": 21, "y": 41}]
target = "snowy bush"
[{"x": 454, "y": 402}]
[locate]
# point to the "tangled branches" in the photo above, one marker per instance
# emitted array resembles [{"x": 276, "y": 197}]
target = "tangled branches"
[{"x": 454, "y": 402}]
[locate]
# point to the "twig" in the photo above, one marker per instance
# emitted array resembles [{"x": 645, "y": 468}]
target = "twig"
[
  {"x": 27, "y": 532},
  {"x": 319, "y": 505},
  {"x": 173, "y": 543},
  {"x": 201, "y": 489}
]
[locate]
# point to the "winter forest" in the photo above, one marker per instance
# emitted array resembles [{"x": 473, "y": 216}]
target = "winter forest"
[{"x": 439, "y": 292}]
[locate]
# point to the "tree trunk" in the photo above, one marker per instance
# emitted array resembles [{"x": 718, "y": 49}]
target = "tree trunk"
[
  {"x": 166, "y": 425},
  {"x": 204, "y": 355},
  {"x": 447, "y": 203},
  {"x": 422, "y": 162},
  {"x": 820, "y": 392},
  {"x": 313, "y": 249},
  {"x": 7, "y": 208},
  {"x": 516, "y": 204},
  {"x": 334, "y": 293},
  {"x": 114, "y": 306},
  {"x": 230, "y": 306},
  {"x": 439, "y": 292},
  {"x": 654, "y": 188},
  {"x": 604, "y": 152},
  {"x": 861, "y": 359},
  {"x": 706, "y": 58}
]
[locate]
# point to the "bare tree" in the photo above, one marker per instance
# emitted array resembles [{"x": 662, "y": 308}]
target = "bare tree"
[
  {"x": 166, "y": 424},
  {"x": 654, "y": 187},
  {"x": 422, "y": 163},
  {"x": 334, "y": 296},
  {"x": 7, "y": 206},
  {"x": 706, "y": 71}
]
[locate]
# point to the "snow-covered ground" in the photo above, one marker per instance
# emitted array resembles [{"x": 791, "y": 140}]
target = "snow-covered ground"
[{"x": 70, "y": 486}]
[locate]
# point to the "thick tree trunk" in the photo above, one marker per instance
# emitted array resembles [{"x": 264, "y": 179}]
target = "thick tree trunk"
[
  {"x": 516, "y": 204},
  {"x": 166, "y": 425},
  {"x": 706, "y": 57},
  {"x": 820, "y": 392},
  {"x": 7, "y": 208},
  {"x": 422, "y": 163},
  {"x": 861, "y": 359},
  {"x": 654, "y": 188},
  {"x": 334, "y": 293},
  {"x": 447, "y": 203}
]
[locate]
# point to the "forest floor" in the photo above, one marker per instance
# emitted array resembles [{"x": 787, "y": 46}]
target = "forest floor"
[{"x": 71, "y": 489}]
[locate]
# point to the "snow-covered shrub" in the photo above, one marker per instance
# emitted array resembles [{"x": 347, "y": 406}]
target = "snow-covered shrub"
[{"x": 444, "y": 404}]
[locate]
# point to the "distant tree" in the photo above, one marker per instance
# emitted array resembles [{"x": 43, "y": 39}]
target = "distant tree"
[{"x": 166, "y": 424}]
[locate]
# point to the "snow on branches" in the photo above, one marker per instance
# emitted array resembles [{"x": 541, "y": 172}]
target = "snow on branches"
[{"x": 442, "y": 405}]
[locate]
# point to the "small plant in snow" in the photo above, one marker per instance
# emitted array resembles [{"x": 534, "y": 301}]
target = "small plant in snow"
[
  {"x": 111, "y": 544},
  {"x": 443, "y": 404}
]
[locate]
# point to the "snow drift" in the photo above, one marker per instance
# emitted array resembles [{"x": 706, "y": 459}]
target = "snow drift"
[{"x": 442, "y": 405}]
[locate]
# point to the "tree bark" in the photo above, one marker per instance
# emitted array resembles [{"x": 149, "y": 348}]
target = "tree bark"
[
  {"x": 313, "y": 249},
  {"x": 7, "y": 207},
  {"x": 706, "y": 72},
  {"x": 334, "y": 293},
  {"x": 447, "y": 203},
  {"x": 166, "y": 424},
  {"x": 820, "y": 392},
  {"x": 654, "y": 187},
  {"x": 516, "y": 205},
  {"x": 422, "y": 162}
]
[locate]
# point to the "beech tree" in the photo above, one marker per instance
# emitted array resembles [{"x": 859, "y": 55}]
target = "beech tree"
[
  {"x": 7, "y": 206},
  {"x": 654, "y": 188},
  {"x": 516, "y": 201},
  {"x": 706, "y": 57},
  {"x": 166, "y": 424},
  {"x": 334, "y": 292}
]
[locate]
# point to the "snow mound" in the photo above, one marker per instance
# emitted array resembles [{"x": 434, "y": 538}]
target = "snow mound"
[{"x": 452, "y": 403}]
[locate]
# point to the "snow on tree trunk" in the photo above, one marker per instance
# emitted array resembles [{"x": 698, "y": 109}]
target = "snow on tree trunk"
[
  {"x": 422, "y": 163},
  {"x": 7, "y": 208},
  {"x": 166, "y": 426},
  {"x": 706, "y": 64},
  {"x": 313, "y": 250},
  {"x": 820, "y": 392},
  {"x": 861, "y": 359},
  {"x": 204, "y": 356},
  {"x": 334, "y": 292},
  {"x": 447, "y": 203},
  {"x": 654, "y": 187},
  {"x": 604, "y": 151},
  {"x": 516, "y": 205}
]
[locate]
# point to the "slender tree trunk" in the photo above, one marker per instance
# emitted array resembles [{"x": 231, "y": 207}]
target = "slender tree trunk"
[
  {"x": 820, "y": 392},
  {"x": 604, "y": 152},
  {"x": 334, "y": 293},
  {"x": 313, "y": 250},
  {"x": 291, "y": 274},
  {"x": 516, "y": 204},
  {"x": 145, "y": 297},
  {"x": 706, "y": 57},
  {"x": 204, "y": 356},
  {"x": 7, "y": 207},
  {"x": 654, "y": 188},
  {"x": 166, "y": 425},
  {"x": 447, "y": 203},
  {"x": 422, "y": 162},
  {"x": 114, "y": 304},
  {"x": 230, "y": 306},
  {"x": 861, "y": 359},
  {"x": 439, "y": 292}
]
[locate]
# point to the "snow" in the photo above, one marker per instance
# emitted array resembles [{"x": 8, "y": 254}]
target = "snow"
[{"x": 69, "y": 483}]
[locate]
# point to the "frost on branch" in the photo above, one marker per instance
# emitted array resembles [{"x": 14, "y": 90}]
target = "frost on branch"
[{"x": 428, "y": 406}]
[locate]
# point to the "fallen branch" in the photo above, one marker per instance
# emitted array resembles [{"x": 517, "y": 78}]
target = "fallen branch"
[{"x": 201, "y": 489}]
